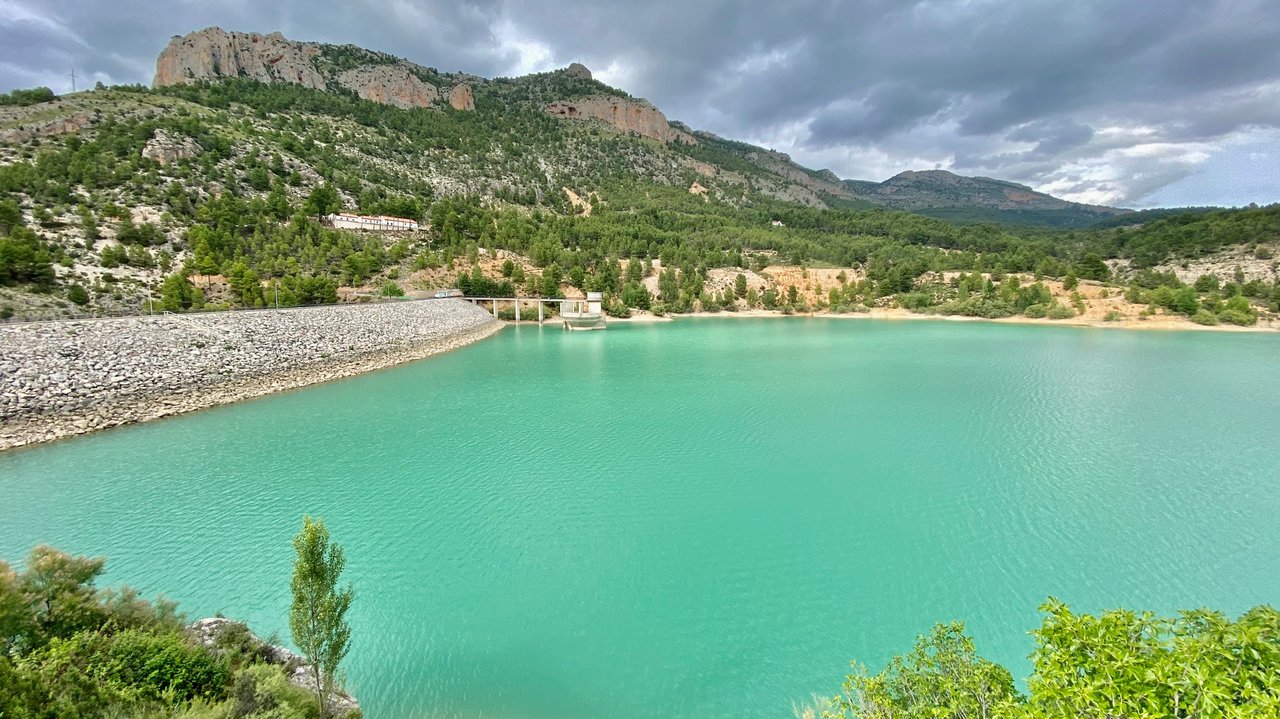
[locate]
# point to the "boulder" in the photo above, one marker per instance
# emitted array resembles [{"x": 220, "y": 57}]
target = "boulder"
[{"x": 165, "y": 147}]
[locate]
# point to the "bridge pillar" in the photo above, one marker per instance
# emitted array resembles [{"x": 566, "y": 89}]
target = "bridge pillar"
[
  {"x": 540, "y": 308},
  {"x": 517, "y": 310}
]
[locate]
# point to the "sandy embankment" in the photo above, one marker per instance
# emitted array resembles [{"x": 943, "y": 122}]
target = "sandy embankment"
[
  {"x": 1155, "y": 322},
  {"x": 59, "y": 379}
]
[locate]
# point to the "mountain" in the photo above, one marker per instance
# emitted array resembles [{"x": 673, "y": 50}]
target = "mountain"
[
  {"x": 208, "y": 187},
  {"x": 214, "y": 54},
  {"x": 945, "y": 195}
]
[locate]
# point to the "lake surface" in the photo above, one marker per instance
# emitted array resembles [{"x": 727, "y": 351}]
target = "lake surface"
[{"x": 701, "y": 519}]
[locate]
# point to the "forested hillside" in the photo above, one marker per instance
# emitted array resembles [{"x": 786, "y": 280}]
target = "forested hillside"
[{"x": 209, "y": 194}]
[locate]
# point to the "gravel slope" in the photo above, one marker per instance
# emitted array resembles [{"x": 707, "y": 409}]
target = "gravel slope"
[{"x": 64, "y": 378}]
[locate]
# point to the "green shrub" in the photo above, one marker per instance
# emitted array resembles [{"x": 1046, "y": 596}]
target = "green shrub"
[
  {"x": 1236, "y": 317},
  {"x": 1205, "y": 317},
  {"x": 168, "y": 665},
  {"x": 1036, "y": 311},
  {"x": 1059, "y": 312},
  {"x": 262, "y": 690}
]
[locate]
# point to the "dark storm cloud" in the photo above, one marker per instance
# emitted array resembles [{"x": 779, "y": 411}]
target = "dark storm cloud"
[
  {"x": 1069, "y": 94},
  {"x": 884, "y": 110}
]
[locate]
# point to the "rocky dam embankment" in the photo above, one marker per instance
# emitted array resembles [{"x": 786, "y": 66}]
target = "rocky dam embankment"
[{"x": 64, "y": 378}]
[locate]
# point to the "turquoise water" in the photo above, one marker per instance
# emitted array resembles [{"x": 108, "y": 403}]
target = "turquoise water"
[{"x": 707, "y": 518}]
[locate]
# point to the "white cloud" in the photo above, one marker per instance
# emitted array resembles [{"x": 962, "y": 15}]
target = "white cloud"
[{"x": 527, "y": 54}]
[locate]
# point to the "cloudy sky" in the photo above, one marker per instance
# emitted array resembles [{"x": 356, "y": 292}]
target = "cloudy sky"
[{"x": 1130, "y": 102}]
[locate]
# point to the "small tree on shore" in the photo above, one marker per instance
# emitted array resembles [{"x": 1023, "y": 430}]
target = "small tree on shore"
[{"x": 317, "y": 617}]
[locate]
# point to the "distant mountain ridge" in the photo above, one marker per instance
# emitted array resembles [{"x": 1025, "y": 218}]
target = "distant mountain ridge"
[{"x": 945, "y": 194}]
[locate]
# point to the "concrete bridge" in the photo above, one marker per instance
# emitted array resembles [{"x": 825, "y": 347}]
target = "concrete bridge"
[{"x": 574, "y": 313}]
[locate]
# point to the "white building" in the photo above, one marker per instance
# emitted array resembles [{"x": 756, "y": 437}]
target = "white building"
[{"x": 371, "y": 222}]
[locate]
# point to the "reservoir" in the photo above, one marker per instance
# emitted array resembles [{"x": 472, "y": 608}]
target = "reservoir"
[{"x": 705, "y": 518}]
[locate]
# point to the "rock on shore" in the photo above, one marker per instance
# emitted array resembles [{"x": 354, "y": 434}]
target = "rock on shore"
[
  {"x": 210, "y": 633},
  {"x": 63, "y": 378}
]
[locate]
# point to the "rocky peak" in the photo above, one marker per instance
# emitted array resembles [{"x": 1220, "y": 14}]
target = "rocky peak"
[
  {"x": 214, "y": 53},
  {"x": 577, "y": 69}
]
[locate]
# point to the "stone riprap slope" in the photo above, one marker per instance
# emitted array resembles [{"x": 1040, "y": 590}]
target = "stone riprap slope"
[{"x": 64, "y": 378}]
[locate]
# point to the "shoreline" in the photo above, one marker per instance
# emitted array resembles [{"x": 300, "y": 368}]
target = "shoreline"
[
  {"x": 1163, "y": 323},
  {"x": 40, "y": 428}
]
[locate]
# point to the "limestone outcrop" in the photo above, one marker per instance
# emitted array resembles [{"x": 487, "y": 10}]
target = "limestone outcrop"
[
  {"x": 165, "y": 147},
  {"x": 65, "y": 125},
  {"x": 214, "y": 53},
  {"x": 461, "y": 97},
  {"x": 577, "y": 69},
  {"x": 623, "y": 113},
  {"x": 390, "y": 85}
]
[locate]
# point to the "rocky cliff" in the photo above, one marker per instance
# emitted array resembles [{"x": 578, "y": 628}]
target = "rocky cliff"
[
  {"x": 389, "y": 85},
  {"x": 625, "y": 114},
  {"x": 461, "y": 97},
  {"x": 214, "y": 53}
]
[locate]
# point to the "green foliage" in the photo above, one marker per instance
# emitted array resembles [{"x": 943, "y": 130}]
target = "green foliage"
[
  {"x": 78, "y": 294},
  {"x": 1119, "y": 664},
  {"x": 261, "y": 690},
  {"x": 22, "y": 98},
  {"x": 1128, "y": 664},
  {"x": 317, "y": 616},
  {"x": 1205, "y": 317},
  {"x": 10, "y": 215},
  {"x": 1238, "y": 311},
  {"x": 1192, "y": 234},
  {"x": 1057, "y": 311},
  {"x": 323, "y": 200},
  {"x": 176, "y": 293},
  {"x": 1091, "y": 267},
  {"x": 942, "y": 676},
  {"x": 25, "y": 259}
]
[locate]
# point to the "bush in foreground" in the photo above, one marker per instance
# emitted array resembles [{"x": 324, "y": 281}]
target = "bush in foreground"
[
  {"x": 71, "y": 650},
  {"x": 1119, "y": 664}
]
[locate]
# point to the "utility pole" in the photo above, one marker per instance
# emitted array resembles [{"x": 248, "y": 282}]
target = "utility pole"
[{"x": 73, "y": 81}]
